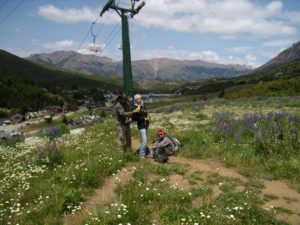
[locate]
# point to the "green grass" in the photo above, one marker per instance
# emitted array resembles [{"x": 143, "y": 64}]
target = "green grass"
[
  {"x": 144, "y": 201},
  {"x": 40, "y": 189}
]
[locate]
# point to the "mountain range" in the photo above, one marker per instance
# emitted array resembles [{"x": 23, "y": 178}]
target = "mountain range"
[
  {"x": 286, "y": 56},
  {"x": 152, "y": 69},
  {"x": 55, "y": 70},
  {"x": 284, "y": 65},
  {"x": 14, "y": 66}
]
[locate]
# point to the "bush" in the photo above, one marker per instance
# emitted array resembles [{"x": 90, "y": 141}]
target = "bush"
[
  {"x": 64, "y": 129},
  {"x": 48, "y": 118},
  {"x": 201, "y": 116},
  {"x": 64, "y": 119},
  {"x": 4, "y": 112},
  {"x": 103, "y": 114},
  {"x": 50, "y": 154},
  {"x": 72, "y": 200}
]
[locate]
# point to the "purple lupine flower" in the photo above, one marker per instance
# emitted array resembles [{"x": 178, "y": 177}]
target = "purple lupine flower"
[
  {"x": 47, "y": 155},
  {"x": 293, "y": 132},
  {"x": 26, "y": 162},
  {"x": 279, "y": 116},
  {"x": 227, "y": 132},
  {"x": 39, "y": 152},
  {"x": 54, "y": 132},
  {"x": 233, "y": 125},
  {"x": 239, "y": 136},
  {"x": 252, "y": 121},
  {"x": 55, "y": 145}
]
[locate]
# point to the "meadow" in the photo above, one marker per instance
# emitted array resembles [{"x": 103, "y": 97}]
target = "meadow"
[{"x": 232, "y": 153}]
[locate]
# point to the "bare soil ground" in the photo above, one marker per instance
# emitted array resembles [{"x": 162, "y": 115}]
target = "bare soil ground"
[
  {"x": 102, "y": 196},
  {"x": 282, "y": 195}
]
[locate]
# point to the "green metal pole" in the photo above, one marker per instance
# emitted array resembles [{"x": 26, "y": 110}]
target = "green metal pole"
[{"x": 127, "y": 70}]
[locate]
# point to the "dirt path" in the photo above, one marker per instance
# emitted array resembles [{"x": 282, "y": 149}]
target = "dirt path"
[
  {"x": 103, "y": 195},
  {"x": 283, "y": 196},
  {"x": 287, "y": 198}
]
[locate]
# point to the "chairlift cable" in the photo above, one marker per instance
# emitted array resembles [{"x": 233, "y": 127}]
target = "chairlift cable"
[
  {"x": 110, "y": 40},
  {"x": 106, "y": 45},
  {"x": 112, "y": 32},
  {"x": 94, "y": 34},
  {"x": 3, "y": 4},
  {"x": 83, "y": 40},
  {"x": 12, "y": 11}
]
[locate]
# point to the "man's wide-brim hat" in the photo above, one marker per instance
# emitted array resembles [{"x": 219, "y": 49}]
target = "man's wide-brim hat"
[{"x": 122, "y": 95}]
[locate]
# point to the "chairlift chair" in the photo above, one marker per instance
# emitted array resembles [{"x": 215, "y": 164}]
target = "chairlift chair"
[{"x": 93, "y": 46}]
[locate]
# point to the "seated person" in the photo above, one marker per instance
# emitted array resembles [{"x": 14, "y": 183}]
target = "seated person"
[{"x": 164, "y": 142}]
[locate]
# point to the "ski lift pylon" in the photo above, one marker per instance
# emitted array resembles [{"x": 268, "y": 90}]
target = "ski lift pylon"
[{"x": 93, "y": 46}]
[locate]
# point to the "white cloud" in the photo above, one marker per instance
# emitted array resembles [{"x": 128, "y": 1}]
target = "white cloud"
[
  {"x": 278, "y": 43},
  {"x": 294, "y": 17},
  {"x": 60, "y": 45},
  {"x": 239, "y": 49},
  {"x": 171, "y": 47},
  {"x": 228, "y": 18},
  {"x": 34, "y": 40},
  {"x": 267, "y": 54},
  {"x": 209, "y": 56},
  {"x": 72, "y": 15},
  {"x": 250, "y": 57},
  {"x": 274, "y": 8}
]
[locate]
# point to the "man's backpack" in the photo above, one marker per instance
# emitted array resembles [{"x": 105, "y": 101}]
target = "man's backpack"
[{"x": 160, "y": 155}]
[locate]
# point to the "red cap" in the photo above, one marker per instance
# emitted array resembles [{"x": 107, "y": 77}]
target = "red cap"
[{"x": 160, "y": 133}]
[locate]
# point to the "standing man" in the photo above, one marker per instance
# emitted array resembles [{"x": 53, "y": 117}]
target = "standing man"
[{"x": 123, "y": 121}]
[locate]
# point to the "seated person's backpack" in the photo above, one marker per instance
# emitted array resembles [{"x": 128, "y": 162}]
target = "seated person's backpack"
[
  {"x": 160, "y": 155},
  {"x": 176, "y": 143}
]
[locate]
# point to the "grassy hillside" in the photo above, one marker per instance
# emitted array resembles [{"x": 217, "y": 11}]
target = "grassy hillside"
[
  {"x": 11, "y": 65},
  {"x": 280, "y": 81},
  {"x": 231, "y": 154},
  {"x": 160, "y": 86},
  {"x": 287, "y": 71},
  {"x": 271, "y": 88},
  {"x": 22, "y": 96}
]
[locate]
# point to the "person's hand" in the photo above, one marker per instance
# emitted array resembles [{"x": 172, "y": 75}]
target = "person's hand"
[
  {"x": 137, "y": 109},
  {"x": 152, "y": 145},
  {"x": 147, "y": 118}
]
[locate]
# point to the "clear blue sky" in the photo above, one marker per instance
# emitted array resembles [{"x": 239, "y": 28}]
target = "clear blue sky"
[{"x": 222, "y": 31}]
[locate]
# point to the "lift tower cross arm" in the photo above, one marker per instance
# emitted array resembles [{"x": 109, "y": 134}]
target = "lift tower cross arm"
[{"x": 124, "y": 13}]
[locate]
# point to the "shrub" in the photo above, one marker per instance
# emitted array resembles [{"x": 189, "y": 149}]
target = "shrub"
[
  {"x": 72, "y": 199},
  {"x": 201, "y": 116},
  {"x": 64, "y": 129},
  {"x": 50, "y": 154},
  {"x": 103, "y": 114},
  {"x": 48, "y": 119},
  {"x": 64, "y": 119},
  {"x": 4, "y": 112}
]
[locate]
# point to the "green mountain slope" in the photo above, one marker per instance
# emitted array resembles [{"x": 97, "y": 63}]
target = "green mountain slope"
[
  {"x": 279, "y": 81},
  {"x": 271, "y": 88},
  {"x": 11, "y": 65}
]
